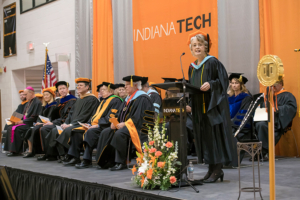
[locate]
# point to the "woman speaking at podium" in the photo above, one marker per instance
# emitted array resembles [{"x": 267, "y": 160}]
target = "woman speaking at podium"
[{"x": 210, "y": 108}]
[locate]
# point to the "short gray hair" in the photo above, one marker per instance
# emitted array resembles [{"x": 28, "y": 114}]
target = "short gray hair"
[
  {"x": 200, "y": 38},
  {"x": 138, "y": 84}
]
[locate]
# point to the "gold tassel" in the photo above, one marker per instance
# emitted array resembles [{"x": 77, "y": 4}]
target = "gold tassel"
[
  {"x": 241, "y": 79},
  {"x": 204, "y": 108},
  {"x": 109, "y": 87},
  {"x": 131, "y": 82}
]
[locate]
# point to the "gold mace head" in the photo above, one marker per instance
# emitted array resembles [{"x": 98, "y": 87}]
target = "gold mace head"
[{"x": 269, "y": 70}]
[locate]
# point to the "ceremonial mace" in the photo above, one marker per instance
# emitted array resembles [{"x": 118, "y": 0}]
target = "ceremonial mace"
[{"x": 269, "y": 71}]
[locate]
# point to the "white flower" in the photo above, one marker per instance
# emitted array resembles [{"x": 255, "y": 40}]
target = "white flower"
[{"x": 143, "y": 167}]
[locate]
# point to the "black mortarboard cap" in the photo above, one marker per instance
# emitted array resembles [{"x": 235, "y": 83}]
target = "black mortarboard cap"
[
  {"x": 132, "y": 78},
  {"x": 119, "y": 85},
  {"x": 167, "y": 80},
  {"x": 109, "y": 85},
  {"x": 61, "y": 83},
  {"x": 144, "y": 80},
  {"x": 238, "y": 76}
]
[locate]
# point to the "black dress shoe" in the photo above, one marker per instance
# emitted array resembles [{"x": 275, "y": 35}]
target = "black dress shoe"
[
  {"x": 72, "y": 162},
  {"x": 29, "y": 155},
  {"x": 118, "y": 167},
  {"x": 44, "y": 157},
  {"x": 11, "y": 154},
  {"x": 66, "y": 158},
  {"x": 214, "y": 177},
  {"x": 51, "y": 158},
  {"x": 59, "y": 159},
  {"x": 208, "y": 174},
  {"x": 84, "y": 164}
]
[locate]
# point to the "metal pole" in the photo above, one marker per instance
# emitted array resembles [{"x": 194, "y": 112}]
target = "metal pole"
[{"x": 271, "y": 148}]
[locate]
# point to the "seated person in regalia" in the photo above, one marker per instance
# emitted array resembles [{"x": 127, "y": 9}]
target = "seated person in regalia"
[
  {"x": 285, "y": 108},
  {"x": 65, "y": 103},
  {"x": 16, "y": 131},
  {"x": 49, "y": 111},
  {"x": 239, "y": 102}
]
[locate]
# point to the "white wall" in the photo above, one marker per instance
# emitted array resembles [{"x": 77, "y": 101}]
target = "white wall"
[{"x": 54, "y": 23}]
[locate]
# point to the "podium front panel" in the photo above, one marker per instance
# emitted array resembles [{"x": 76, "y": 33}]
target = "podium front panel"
[{"x": 171, "y": 110}]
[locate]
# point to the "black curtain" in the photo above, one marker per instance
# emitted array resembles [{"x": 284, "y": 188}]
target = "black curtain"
[{"x": 36, "y": 186}]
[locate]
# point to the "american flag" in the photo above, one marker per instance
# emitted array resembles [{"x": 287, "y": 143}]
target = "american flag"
[{"x": 49, "y": 80}]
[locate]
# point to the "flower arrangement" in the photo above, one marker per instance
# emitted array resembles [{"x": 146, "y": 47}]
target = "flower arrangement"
[{"x": 156, "y": 166}]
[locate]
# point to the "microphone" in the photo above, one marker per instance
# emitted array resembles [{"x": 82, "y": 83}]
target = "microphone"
[
  {"x": 183, "y": 80},
  {"x": 296, "y": 50}
]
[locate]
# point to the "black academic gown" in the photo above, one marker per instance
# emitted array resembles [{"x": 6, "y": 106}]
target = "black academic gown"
[
  {"x": 108, "y": 108},
  {"x": 80, "y": 112},
  {"x": 113, "y": 143},
  {"x": 189, "y": 130},
  {"x": 15, "y": 138},
  {"x": 20, "y": 109},
  {"x": 287, "y": 108},
  {"x": 49, "y": 132},
  {"x": 245, "y": 133},
  {"x": 33, "y": 134},
  {"x": 212, "y": 128},
  {"x": 156, "y": 100}
]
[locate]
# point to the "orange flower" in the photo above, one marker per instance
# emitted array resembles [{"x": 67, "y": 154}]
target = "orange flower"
[
  {"x": 133, "y": 169},
  {"x": 149, "y": 173},
  {"x": 140, "y": 160},
  {"x": 142, "y": 181},
  {"x": 152, "y": 160},
  {"x": 161, "y": 164},
  {"x": 172, "y": 179},
  {"x": 169, "y": 144},
  {"x": 152, "y": 150},
  {"x": 158, "y": 153},
  {"x": 151, "y": 142}
]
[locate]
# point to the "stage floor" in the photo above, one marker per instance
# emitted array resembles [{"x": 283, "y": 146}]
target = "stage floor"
[{"x": 287, "y": 178}]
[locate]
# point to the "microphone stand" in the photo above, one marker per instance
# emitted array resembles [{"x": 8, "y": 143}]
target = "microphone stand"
[{"x": 183, "y": 154}]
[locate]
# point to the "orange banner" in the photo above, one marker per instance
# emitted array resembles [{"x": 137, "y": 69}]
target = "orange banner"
[
  {"x": 281, "y": 38},
  {"x": 103, "y": 60},
  {"x": 160, "y": 32}
]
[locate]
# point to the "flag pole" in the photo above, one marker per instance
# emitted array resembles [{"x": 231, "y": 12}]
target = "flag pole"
[
  {"x": 46, "y": 44},
  {"x": 45, "y": 65}
]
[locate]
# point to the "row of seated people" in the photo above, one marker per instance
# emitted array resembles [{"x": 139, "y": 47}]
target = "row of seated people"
[
  {"x": 82, "y": 120},
  {"x": 67, "y": 114}
]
